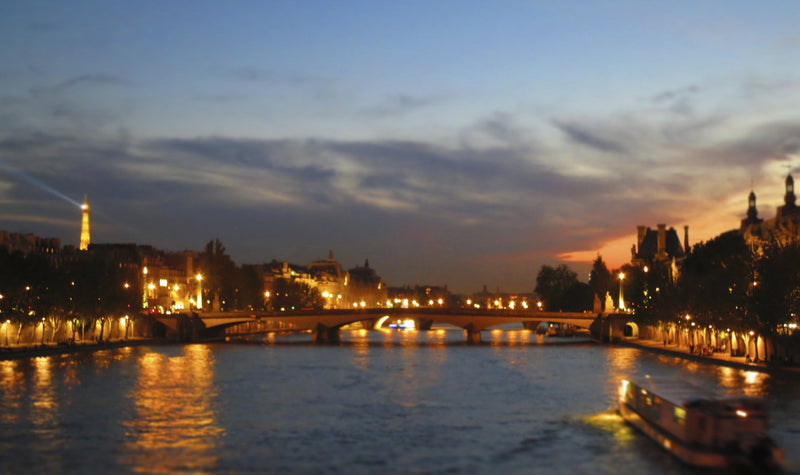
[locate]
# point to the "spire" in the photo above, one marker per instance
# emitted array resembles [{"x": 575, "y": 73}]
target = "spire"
[
  {"x": 752, "y": 211},
  {"x": 86, "y": 233},
  {"x": 789, "y": 198}
]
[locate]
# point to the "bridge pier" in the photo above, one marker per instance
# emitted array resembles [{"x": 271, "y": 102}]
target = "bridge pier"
[
  {"x": 323, "y": 334},
  {"x": 473, "y": 336}
]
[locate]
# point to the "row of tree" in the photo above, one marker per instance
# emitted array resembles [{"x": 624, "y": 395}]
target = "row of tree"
[
  {"x": 37, "y": 289},
  {"x": 93, "y": 289},
  {"x": 727, "y": 283}
]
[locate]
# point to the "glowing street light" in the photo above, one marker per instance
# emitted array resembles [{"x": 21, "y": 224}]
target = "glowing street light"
[
  {"x": 199, "y": 278},
  {"x": 621, "y": 297}
]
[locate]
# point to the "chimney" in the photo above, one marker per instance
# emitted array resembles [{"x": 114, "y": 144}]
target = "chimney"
[
  {"x": 662, "y": 240},
  {"x": 641, "y": 233},
  {"x": 686, "y": 239}
]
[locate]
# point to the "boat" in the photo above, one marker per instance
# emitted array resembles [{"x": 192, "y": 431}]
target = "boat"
[{"x": 698, "y": 427}]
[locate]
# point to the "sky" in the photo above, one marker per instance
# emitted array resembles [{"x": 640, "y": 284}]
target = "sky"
[{"x": 460, "y": 143}]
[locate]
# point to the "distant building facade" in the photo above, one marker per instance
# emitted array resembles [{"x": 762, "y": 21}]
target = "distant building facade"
[
  {"x": 365, "y": 287},
  {"x": 357, "y": 287},
  {"x": 29, "y": 243},
  {"x": 660, "y": 245},
  {"x": 783, "y": 228},
  {"x": 501, "y": 300}
]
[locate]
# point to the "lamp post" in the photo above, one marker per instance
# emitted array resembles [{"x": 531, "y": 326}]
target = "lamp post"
[
  {"x": 646, "y": 296},
  {"x": 145, "y": 302},
  {"x": 621, "y": 297},
  {"x": 199, "y": 278}
]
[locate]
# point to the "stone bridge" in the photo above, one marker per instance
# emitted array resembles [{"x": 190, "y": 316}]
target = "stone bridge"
[{"x": 324, "y": 325}]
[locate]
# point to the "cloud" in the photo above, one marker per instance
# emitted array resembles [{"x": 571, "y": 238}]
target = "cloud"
[
  {"x": 588, "y": 138},
  {"x": 85, "y": 80},
  {"x": 275, "y": 77},
  {"x": 675, "y": 94},
  {"x": 399, "y": 104},
  {"x": 494, "y": 205}
]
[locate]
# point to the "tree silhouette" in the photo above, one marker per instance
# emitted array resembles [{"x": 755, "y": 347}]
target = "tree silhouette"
[
  {"x": 559, "y": 289},
  {"x": 293, "y": 295},
  {"x": 600, "y": 278}
]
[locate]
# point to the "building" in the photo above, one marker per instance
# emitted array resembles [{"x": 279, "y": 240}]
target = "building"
[
  {"x": 358, "y": 287},
  {"x": 169, "y": 281},
  {"x": 660, "y": 245},
  {"x": 412, "y": 296},
  {"x": 365, "y": 287},
  {"x": 784, "y": 227},
  {"x": 331, "y": 281},
  {"x": 502, "y": 300},
  {"x": 29, "y": 243}
]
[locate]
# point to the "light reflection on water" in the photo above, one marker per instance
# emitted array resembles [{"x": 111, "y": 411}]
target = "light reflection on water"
[
  {"x": 12, "y": 384},
  {"x": 388, "y": 402},
  {"x": 175, "y": 425},
  {"x": 43, "y": 398}
]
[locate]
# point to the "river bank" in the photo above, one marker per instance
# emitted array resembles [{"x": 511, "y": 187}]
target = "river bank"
[
  {"x": 23, "y": 352},
  {"x": 720, "y": 359}
]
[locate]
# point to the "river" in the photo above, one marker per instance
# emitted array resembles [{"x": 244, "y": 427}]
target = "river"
[{"x": 402, "y": 402}]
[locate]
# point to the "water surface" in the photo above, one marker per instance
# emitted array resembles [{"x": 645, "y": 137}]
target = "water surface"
[{"x": 376, "y": 403}]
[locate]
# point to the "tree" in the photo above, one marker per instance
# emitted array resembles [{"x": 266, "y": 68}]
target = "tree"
[
  {"x": 249, "y": 288},
  {"x": 552, "y": 285},
  {"x": 600, "y": 278},
  {"x": 716, "y": 279},
  {"x": 293, "y": 295},
  {"x": 578, "y": 298},
  {"x": 218, "y": 274},
  {"x": 775, "y": 287}
]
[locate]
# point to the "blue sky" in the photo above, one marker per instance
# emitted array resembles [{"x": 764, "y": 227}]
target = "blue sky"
[{"x": 461, "y": 143}]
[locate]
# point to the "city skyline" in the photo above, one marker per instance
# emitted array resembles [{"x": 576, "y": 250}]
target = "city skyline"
[{"x": 455, "y": 144}]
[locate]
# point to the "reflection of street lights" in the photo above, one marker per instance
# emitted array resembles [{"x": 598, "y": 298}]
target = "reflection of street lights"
[{"x": 621, "y": 298}]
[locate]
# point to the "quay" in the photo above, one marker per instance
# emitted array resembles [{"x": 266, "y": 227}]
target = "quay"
[{"x": 719, "y": 358}]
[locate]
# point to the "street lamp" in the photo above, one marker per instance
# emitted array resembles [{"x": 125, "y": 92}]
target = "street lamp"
[
  {"x": 199, "y": 278},
  {"x": 646, "y": 296},
  {"x": 145, "y": 301},
  {"x": 621, "y": 298}
]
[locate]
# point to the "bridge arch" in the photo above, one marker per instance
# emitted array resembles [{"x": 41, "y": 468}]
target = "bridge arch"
[{"x": 631, "y": 330}]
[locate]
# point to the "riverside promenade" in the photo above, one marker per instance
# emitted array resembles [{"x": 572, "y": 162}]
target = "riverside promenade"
[{"x": 721, "y": 358}]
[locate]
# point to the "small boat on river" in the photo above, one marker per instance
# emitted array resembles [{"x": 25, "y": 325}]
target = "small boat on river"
[{"x": 698, "y": 427}]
